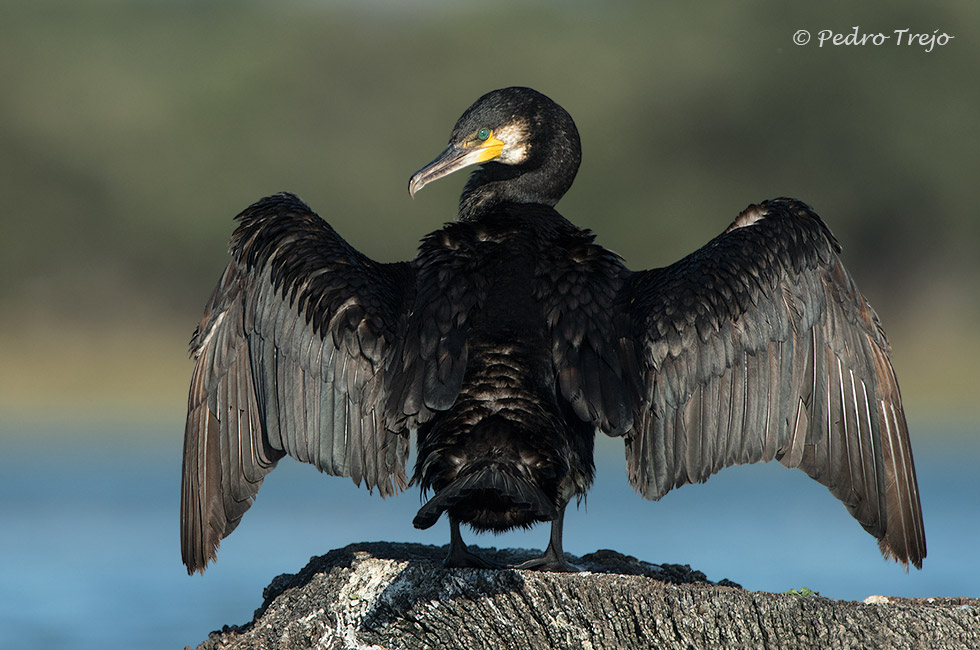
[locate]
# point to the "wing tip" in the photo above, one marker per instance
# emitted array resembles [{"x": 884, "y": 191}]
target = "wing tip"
[
  {"x": 195, "y": 559},
  {"x": 904, "y": 556}
]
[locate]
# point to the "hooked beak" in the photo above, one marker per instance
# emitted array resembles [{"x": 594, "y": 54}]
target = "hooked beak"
[{"x": 454, "y": 158}]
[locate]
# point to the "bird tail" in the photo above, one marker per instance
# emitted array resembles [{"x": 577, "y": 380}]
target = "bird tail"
[{"x": 490, "y": 479}]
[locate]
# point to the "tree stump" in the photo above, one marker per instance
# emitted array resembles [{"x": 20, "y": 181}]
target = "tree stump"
[{"x": 398, "y": 596}]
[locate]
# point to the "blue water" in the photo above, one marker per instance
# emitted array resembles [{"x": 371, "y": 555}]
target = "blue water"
[{"x": 90, "y": 555}]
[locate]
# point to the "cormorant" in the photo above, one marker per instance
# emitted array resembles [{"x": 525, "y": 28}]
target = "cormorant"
[{"x": 512, "y": 338}]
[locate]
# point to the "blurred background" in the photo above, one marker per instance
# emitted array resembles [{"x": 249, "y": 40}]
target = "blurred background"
[{"x": 132, "y": 131}]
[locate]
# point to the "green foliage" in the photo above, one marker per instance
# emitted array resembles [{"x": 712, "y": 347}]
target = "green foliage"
[{"x": 803, "y": 591}]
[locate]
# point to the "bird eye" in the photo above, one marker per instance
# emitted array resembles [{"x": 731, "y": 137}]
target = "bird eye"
[{"x": 483, "y": 134}]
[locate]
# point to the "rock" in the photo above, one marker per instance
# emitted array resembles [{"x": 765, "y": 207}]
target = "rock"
[{"x": 398, "y": 596}]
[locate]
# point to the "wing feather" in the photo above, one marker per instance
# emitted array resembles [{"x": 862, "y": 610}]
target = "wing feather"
[
  {"x": 710, "y": 416},
  {"x": 290, "y": 359},
  {"x": 760, "y": 346}
]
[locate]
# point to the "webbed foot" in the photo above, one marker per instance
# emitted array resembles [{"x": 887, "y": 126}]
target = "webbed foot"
[
  {"x": 553, "y": 558},
  {"x": 461, "y": 557},
  {"x": 548, "y": 562}
]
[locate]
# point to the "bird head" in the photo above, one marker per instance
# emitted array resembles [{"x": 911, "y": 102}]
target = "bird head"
[{"x": 527, "y": 144}]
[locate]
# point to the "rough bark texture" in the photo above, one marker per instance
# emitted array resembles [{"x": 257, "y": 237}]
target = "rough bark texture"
[{"x": 398, "y": 596}]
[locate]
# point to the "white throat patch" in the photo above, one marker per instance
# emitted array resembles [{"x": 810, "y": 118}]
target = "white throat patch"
[{"x": 514, "y": 137}]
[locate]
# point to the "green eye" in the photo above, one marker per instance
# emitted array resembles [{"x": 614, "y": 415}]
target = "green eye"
[{"x": 483, "y": 134}]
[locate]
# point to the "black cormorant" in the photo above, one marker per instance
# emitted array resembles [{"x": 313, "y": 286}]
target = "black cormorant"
[{"x": 512, "y": 338}]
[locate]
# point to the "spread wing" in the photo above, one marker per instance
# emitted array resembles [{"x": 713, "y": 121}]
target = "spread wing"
[
  {"x": 291, "y": 357},
  {"x": 760, "y": 346}
]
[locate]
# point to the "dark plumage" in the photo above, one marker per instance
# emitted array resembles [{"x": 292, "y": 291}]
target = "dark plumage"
[{"x": 512, "y": 337}]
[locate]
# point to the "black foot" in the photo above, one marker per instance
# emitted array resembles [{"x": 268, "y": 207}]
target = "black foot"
[
  {"x": 553, "y": 558},
  {"x": 459, "y": 556},
  {"x": 462, "y": 558}
]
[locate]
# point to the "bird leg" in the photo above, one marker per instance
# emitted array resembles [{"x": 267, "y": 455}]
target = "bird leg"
[
  {"x": 460, "y": 556},
  {"x": 554, "y": 557}
]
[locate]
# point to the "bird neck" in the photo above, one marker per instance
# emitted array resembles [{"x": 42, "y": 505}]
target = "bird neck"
[{"x": 496, "y": 183}]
